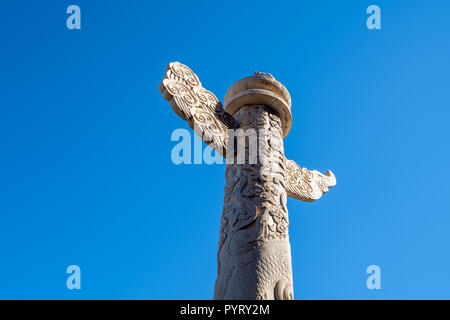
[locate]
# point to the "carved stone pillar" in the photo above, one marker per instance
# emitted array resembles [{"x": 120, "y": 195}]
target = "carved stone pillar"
[{"x": 254, "y": 257}]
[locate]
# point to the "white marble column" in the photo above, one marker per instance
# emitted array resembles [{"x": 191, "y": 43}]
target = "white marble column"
[{"x": 254, "y": 257}]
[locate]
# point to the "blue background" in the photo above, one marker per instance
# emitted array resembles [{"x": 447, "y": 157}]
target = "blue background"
[{"x": 86, "y": 175}]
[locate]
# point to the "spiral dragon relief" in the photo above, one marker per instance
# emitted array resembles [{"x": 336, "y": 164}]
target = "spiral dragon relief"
[{"x": 255, "y": 218}]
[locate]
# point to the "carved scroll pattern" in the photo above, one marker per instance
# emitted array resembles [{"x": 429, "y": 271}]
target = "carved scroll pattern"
[
  {"x": 306, "y": 185},
  {"x": 204, "y": 113},
  {"x": 255, "y": 216},
  {"x": 198, "y": 106}
]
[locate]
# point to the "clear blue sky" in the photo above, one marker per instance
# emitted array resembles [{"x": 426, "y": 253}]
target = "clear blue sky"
[{"x": 86, "y": 176}]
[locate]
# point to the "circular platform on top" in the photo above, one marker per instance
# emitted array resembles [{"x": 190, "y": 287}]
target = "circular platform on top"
[{"x": 261, "y": 88}]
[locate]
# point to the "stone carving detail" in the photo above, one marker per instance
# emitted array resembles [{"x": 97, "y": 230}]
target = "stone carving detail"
[
  {"x": 198, "y": 106},
  {"x": 254, "y": 240},
  {"x": 254, "y": 257},
  {"x": 205, "y": 114},
  {"x": 303, "y": 184}
]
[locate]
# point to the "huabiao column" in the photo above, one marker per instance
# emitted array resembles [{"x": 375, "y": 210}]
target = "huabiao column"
[{"x": 254, "y": 256}]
